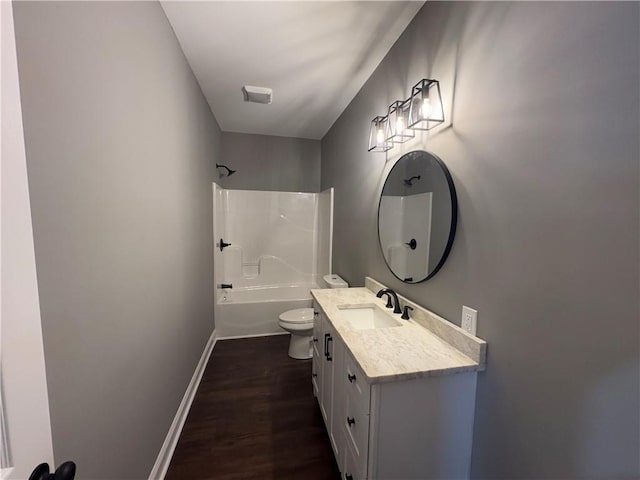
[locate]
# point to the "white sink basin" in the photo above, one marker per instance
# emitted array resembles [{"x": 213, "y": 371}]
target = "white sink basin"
[{"x": 367, "y": 317}]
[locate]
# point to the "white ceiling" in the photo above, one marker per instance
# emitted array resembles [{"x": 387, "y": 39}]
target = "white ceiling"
[{"x": 314, "y": 55}]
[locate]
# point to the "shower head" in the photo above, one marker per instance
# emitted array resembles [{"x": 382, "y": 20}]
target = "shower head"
[
  {"x": 229, "y": 171},
  {"x": 409, "y": 181}
]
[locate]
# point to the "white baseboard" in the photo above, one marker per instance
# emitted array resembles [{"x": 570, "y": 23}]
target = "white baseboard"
[
  {"x": 161, "y": 466},
  {"x": 234, "y": 337}
]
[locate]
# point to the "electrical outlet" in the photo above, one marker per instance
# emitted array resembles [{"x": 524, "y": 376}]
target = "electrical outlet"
[{"x": 469, "y": 320}]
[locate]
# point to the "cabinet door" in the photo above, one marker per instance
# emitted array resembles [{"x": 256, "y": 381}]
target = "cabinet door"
[
  {"x": 317, "y": 331},
  {"x": 338, "y": 398},
  {"x": 316, "y": 365},
  {"x": 326, "y": 391}
]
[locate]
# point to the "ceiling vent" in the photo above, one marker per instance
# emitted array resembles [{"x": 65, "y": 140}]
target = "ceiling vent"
[{"x": 257, "y": 94}]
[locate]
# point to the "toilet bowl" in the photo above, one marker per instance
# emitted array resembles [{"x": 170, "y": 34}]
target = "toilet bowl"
[{"x": 299, "y": 322}]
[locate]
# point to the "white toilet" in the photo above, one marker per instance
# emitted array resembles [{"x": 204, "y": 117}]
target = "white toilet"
[{"x": 299, "y": 322}]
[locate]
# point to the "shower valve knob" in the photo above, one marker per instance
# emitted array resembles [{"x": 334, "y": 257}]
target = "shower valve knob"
[
  {"x": 412, "y": 244},
  {"x": 222, "y": 244}
]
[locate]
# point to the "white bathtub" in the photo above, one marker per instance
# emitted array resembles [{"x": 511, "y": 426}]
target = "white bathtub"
[{"x": 249, "y": 311}]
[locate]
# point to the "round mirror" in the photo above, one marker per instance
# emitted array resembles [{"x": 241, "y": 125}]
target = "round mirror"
[{"x": 417, "y": 216}]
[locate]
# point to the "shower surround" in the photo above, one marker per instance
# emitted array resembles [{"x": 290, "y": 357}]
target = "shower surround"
[{"x": 280, "y": 247}]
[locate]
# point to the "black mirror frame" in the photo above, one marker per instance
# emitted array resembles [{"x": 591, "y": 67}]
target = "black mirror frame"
[{"x": 454, "y": 217}]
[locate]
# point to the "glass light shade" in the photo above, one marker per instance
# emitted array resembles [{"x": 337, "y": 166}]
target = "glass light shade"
[
  {"x": 377, "y": 140},
  {"x": 397, "y": 125},
  {"x": 425, "y": 111}
]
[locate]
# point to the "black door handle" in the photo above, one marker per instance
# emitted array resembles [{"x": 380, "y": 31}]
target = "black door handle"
[
  {"x": 352, "y": 378},
  {"x": 329, "y": 357},
  {"x": 326, "y": 340},
  {"x": 351, "y": 421}
]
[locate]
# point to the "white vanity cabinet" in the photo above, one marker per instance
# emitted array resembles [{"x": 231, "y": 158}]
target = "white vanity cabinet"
[
  {"x": 411, "y": 415},
  {"x": 409, "y": 429}
]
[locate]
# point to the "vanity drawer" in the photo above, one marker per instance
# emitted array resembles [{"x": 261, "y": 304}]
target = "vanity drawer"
[
  {"x": 356, "y": 428},
  {"x": 358, "y": 390},
  {"x": 350, "y": 466}
]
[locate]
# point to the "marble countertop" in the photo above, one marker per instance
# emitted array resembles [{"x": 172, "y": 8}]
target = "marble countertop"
[{"x": 425, "y": 345}]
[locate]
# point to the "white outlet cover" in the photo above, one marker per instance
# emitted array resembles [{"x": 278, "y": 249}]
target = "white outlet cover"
[{"x": 469, "y": 320}]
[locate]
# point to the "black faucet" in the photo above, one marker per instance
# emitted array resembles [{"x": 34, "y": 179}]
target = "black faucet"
[
  {"x": 382, "y": 292},
  {"x": 390, "y": 293}
]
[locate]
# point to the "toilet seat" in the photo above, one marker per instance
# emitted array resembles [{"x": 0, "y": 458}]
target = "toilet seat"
[
  {"x": 296, "y": 327},
  {"x": 297, "y": 316}
]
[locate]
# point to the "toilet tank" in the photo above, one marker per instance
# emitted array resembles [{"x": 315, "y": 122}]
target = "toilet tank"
[{"x": 334, "y": 281}]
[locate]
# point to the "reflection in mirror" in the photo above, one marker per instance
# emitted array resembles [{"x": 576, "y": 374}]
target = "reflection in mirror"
[{"x": 417, "y": 216}]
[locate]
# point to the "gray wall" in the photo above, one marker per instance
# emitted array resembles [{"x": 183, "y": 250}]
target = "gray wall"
[
  {"x": 265, "y": 162},
  {"x": 542, "y": 143},
  {"x": 120, "y": 149}
]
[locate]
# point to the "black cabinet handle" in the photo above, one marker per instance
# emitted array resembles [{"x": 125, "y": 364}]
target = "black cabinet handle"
[
  {"x": 315, "y": 339},
  {"x": 351, "y": 421},
  {"x": 314, "y": 375},
  {"x": 315, "y": 314},
  {"x": 348, "y": 476},
  {"x": 329, "y": 357},
  {"x": 326, "y": 340},
  {"x": 352, "y": 378}
]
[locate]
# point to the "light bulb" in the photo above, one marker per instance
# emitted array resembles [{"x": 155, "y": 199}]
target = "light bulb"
[
  {"x": 399, "y": 125},
  {"x": 426, "y": 108},
  {"x": 379, "y": 136}
]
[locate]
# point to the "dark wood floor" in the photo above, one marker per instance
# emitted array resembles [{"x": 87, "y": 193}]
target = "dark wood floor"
[{"x": 254, "y": 417}]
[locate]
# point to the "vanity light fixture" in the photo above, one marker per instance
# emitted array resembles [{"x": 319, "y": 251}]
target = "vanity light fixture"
[
  {"x": 377, "y": 135},
  {"x": 425, "y": 105},
  {"x": 398, "y": 123},
  {"x": 421, "y": 111}
]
